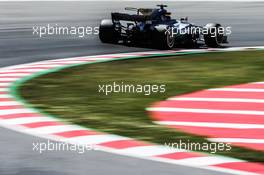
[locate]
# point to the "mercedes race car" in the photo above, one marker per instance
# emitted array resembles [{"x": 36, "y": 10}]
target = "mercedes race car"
[{"x": 157, "y": 28}]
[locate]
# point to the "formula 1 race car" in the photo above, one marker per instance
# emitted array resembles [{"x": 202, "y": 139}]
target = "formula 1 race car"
[{"x": 155, "y": 27}]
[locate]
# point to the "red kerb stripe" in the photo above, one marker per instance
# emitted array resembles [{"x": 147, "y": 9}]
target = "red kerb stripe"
[
  {"x": 41, "y": 124},
  {"x": 122, "y": 144},
  {"x": 76, "y": 133}
]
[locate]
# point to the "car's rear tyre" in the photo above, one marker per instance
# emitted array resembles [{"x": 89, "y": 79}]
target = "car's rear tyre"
[
  {"x": 163, "y": 39},
  {"x": 213, "y": 38},
  {"x": 107, "y": 32}
]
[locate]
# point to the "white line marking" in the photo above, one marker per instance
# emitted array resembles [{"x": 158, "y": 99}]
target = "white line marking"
[
  {"x": 213, "y": 125},
  {"x": 236, "y": 140},
  {"x": 237, "y": 89},
  {"x": 192, "y": 110},
  {"x": 242, "y": 100}
]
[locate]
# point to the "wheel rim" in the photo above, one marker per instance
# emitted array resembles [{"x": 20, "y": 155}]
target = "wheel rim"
[
  {"x": 170, "y": 40},
  {"x": 219, "y": 39}
]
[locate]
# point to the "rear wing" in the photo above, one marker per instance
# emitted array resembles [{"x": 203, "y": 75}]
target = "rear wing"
[
  {"x": 128, "y": 17},
  {"x": 131, "y": 9},
  {"x": 143, "y": 14}
]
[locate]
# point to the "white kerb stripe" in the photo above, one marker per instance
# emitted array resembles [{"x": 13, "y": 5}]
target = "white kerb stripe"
[
  {"x": 261, "y": 82},
  {"x": 213, "y": 125},
  {"x": 14, "y": 111},
  {"x": 193, "y": 110},
  {"x": 26, "y": 120},
  {"x": 151, "y": 150},
  {"x": 242, "y": 100},
  {"x": 251, "y": 47},
  {"x": 207, "y": 161},
  {"x": 237, "y": 89},
  {"x": 99, "y": 59},
  {"x": 42, "y": 66},
  {"x": 71, "y": 62},
  {"x": 14, "y": 74},
  {"x": 4, "y": 89},
  {"x": 15, "y": 67},
  {"x": 230, "y": 49},
  {"x": 54, "y": 129},
  {"x": 5, "y": 84},
  {"x": 25, "y": 70},
  {"x": 9, "y": 79},
  {"x": 48, "y": 65},
  {"x": 68, "y": 59},
  {"x": 9, "y": 103},
  {"x": 123, "y": 55},
  {"x": 5, "y": 96},
  {"x": 237, "y": 140},
  {"x": 94, "y": 139}
]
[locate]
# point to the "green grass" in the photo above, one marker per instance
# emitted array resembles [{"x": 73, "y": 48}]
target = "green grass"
[{"x": 72, "y": 94}]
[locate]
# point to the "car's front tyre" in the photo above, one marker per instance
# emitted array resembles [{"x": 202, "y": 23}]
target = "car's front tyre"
[{"x": 213, "y": 38}]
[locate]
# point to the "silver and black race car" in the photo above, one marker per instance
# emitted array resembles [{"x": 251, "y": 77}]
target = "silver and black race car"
[{"x": 156, "y": 28}]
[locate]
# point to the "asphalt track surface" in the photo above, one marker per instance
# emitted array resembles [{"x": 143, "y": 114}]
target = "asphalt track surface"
[{"x": 18, "y": 45}]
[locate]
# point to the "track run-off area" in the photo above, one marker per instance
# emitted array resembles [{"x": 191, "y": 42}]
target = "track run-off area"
[{"x": 16, "y": 114}]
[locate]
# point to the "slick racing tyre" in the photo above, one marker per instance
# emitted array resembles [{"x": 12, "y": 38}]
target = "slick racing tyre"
[
  {"x": 163, "y": 39},
  {"x": 213, "y": 38},
  {"x": 107, "y": 32}
]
